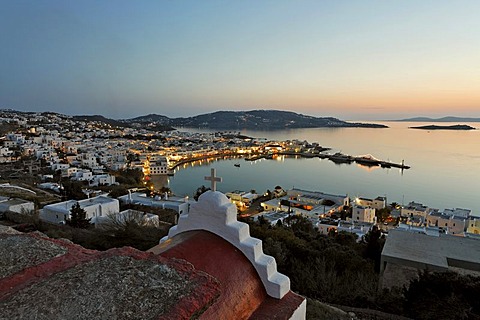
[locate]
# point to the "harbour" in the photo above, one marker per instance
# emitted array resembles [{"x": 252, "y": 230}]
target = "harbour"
[{"x": 452, "y": 182}]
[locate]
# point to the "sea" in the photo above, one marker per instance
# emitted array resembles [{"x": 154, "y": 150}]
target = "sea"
[{"x": 444, "y": 173}]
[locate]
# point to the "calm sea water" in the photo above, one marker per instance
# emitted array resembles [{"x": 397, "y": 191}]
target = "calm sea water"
[{"x": 445, "y": 166}]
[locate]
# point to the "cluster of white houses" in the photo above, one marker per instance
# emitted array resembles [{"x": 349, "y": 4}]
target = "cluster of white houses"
[
  {"x": 455, "y": 221},
  {"x": 102, "y": 208},
  {"x": 323, "y": 209}
]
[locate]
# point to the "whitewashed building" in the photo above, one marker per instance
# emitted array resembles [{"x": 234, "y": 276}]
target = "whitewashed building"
[
  {"x": 363, "y": 214},
  {"x": 180, "y": 205},
  {"x": 451, "y": 224},
  {"x": 473, "y": 226},
  {"x": 94, "y": 207},
  {"x": 415, "y": 209},
  {"x": 377, "y": 203},
  {"x": 16, "y": 205},
  {"x": 103, "y": 179}
]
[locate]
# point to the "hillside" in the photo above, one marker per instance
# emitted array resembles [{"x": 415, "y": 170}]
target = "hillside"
[
  {"x": 256, "y": 119},
  {"x": 222, "y": 120},
  {"x": 99, "y": 118}
]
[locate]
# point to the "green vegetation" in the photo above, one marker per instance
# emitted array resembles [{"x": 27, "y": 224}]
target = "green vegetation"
[
  {"x": 128, "y": 177},
  {"x": 199, "y": 192},
  {"x": 445, "y": 295},
  {"x": 114, "y": 234},
  {"x": 339, "y": 270},
  {"x": 73, "y": 190},
  {"x": 78, "y": 217},
  {"x": 334, "y": 269}
]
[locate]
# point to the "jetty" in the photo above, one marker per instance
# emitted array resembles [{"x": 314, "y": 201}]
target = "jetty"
[{"x": 371, "y": 161}]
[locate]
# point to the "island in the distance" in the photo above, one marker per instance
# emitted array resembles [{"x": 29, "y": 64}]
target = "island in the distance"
[{"x": 453, "y": 127}]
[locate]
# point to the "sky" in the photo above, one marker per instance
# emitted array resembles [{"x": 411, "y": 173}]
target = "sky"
[{"x": 347, "y": 59}]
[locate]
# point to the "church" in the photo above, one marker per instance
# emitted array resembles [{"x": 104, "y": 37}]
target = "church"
[{"x": 208, "y": 267}]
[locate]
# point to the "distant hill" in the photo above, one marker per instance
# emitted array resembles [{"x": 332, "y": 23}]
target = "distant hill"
[
  {"x": 255, "y": 119},
  {"x": 151, "y": 118},
  {"x": 222, "y": 120},
  {"x": 100, "y": 118},
  {"x": 444, "y": 119}
]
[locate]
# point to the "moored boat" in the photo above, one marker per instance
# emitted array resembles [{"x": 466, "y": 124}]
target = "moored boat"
[
  {"x": 367, "y": 160},
  {"x": 341, "y": 158}
]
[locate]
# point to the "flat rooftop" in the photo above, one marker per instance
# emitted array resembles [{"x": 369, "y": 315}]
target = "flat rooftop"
[{"x": 436, "y": 253}]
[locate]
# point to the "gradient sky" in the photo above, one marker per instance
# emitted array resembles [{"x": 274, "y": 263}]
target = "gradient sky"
[{"x": 348, "y": 59}]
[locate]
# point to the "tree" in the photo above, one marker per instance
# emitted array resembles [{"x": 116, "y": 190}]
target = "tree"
[
  {"x": 118, "y": 191},
  {"x": 165, "y": 190},
  {"x": 443, "y": 295},
  {"x": 374, "y": 246},
  {"x": 382, "y": 214},
  {"x": 199, "y": 192},
  {"x": 73, "y": 190},
  {"x": 78, "y": 217}
]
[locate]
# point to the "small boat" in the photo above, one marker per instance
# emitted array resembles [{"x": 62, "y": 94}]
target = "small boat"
[
  {"x": 367, "y": 160},
  {"x": 341, "y": 158},
  {"x": 384, "y": 164},
  {"x": 237, "y": 165}
]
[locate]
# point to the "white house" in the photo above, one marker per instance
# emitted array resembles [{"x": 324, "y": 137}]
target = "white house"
[
  {"x": 83, "y": 175},
  {"x": 157, "y": 167},
  {"x": 241, "y": 198},
  {"x": 69, "y": 172},
  {"x": 88, "y": 160},
  {"x": 459, "y": 212},
  {"x": 6, "y": 152},
  {"x": 377, "y": 203},
  {"x": 358, "y": 228},
  {"x": 325, "y": 226},
  {"x": 473, "y": 226},
  {"x": 103, "y": 179},
  {"x": 363, "y": 214},
  {"x": 16, "y": 205},
  {"x": 94, "y": 207},
  {"x": 180, "y": 205},
  {"x": 415, "y": 209},
  {"x": 60, "y": 166},
  {"x": 451, "y": 224},
  {"x": 317, "y": 197}
]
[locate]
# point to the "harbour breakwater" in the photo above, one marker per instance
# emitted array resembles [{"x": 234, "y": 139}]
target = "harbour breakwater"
[{"x": 366, "y": 160}]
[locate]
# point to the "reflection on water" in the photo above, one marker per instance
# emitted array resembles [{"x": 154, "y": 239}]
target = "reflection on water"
[{"x": 444, "y": 166}]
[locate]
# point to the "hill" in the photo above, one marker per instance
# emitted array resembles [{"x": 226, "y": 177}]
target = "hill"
[
  {"x": 149, "y": 118},
  {"x": 255, "y": 119},
  {"x": 223, "y": 120},
  {"x": 444, "y": 119},
  {"x": 99, "y": 118}
]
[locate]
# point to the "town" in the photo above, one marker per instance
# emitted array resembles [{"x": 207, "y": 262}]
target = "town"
[
  {"x": 45, "y": 150},
  {"x": 53, "y": 164},
  {"x": 57, "y": 168}
]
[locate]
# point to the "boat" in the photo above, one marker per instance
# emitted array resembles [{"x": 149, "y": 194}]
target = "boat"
[
  {"x": 237, "y": 165},
  {"x": 341, "y": 158},
  {"x": 384, "y": 164},
  {"x": 367, "y": 160}
]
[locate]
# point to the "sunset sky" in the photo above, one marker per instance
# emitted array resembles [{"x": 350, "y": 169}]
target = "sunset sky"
[{"x": 347, "y": 59}]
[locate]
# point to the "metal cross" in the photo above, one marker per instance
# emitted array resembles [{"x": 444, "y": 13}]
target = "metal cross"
[{"x": 213, "y": 179}]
